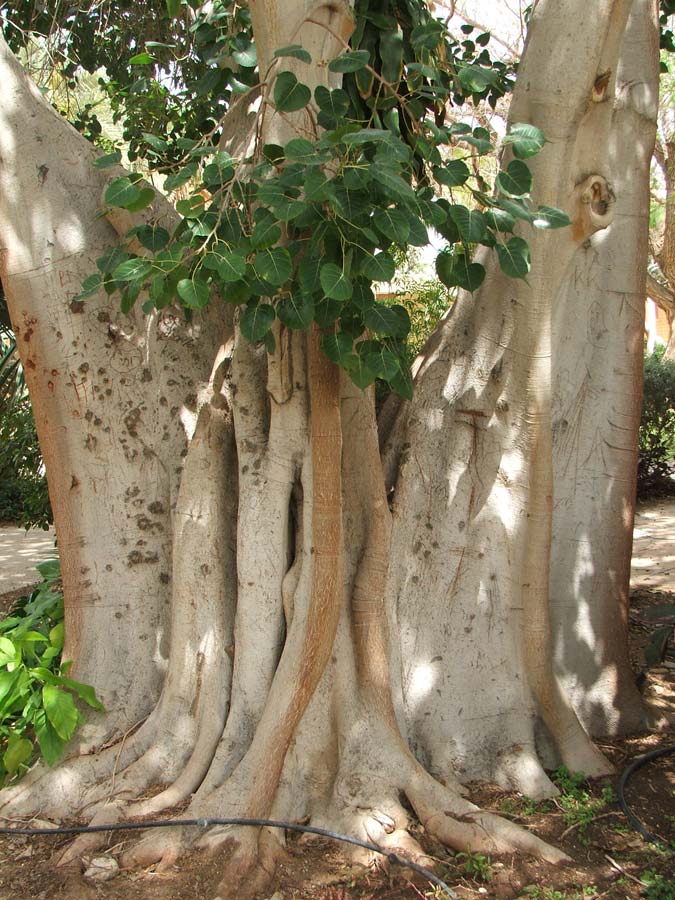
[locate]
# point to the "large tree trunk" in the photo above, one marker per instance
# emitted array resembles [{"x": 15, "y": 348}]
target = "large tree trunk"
[
  {"x": 388, "y": 623},
  {"x": 113, "y": 397},
  {"x": 598, "y": 339}
]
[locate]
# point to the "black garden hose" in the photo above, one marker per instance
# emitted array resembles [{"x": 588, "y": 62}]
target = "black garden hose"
[
  {"x": 393, "y": 858},
  {"x": 636, "y": 764}
]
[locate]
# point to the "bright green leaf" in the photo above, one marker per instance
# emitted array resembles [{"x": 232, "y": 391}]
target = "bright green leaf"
[
  {"x": 454, "y": 173},
  {"x": 335, "y": 283},
  {"x": 84, "y": 691},
  {"x": 380, "y": 267},
  {"x": 351, "y": 61},
  {"x": 550, "y": 217},
  {"x": 393, "y": 223},
  {"x": 516, "y": 181},
  {"x": 297, "y": 51},
  {"x": 61, "y": 710},
  {"x": 456, "y": 270},
  {"x": 383, "y": 320},
  {"x": 135, "y": 269},
  {"x": 359, "y": 372},
  {"x": 476, "y": 79},
  {"x": 19, "y": 751},
  {"x": 526, "y": 140},
  {"x": 7, "y": 651},
  {"x": 274, "y": 266},
  {"x": 289, "y": 94},
  {"x": 107, "y": 160},
  {"x": 51, "y": 745},
  {"x": 296, "y": 311},
  {"x": 194, "y": 294},
  {"x": 256, "y": 321},
  {"x": 153, "y": 237},
  {"x": 141, "y": 59},
  {"x": 56, "y": 635},
  {"x": 121, "y": 192},
  {"x": 470, "y": 223},
  {"x": 514, "y": 257},
  {"x": 91, "y": 285},
  {"x": 337, "y": 346}
]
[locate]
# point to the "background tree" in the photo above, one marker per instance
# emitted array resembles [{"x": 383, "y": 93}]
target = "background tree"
[{"x": 333, "y": 627}]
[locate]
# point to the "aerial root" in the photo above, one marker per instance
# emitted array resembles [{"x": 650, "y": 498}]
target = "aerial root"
[
  {"x": 161, "y": 847},
  {"x": 250, "y": 867},
  {"x": 403, "y": 844},
  {"x": 88, "y": 842},
  {"x": 463, "y": 826},
  {"x": 64, "y": 791}
]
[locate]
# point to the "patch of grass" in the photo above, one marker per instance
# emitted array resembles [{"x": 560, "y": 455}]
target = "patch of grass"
[
  {"x": 535, "y": 892},
  {"x": 579, "y": 807},
  {"x": 658, "y": 886}
]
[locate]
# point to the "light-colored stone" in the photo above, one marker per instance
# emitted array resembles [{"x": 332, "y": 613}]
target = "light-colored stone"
[{"x": 102, "y": 868}]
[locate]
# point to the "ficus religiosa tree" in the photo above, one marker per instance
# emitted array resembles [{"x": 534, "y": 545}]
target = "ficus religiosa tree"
[{"x": 315, "y": 613}]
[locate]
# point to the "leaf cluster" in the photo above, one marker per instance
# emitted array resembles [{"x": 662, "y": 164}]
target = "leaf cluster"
[
  {"x": 308, "y": 229},
  {"x": 37, "y": 699},
  {"x": 165, "y": 66},
  {"x": 302, "y": 233}
]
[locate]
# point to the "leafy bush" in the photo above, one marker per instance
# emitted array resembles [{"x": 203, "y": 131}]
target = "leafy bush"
[
  {"x": 658, "y": 887},
  {"x": 657, "y": 426},
  {"x": 23, "y": 486},
  {"x": 37, "y": 702}
]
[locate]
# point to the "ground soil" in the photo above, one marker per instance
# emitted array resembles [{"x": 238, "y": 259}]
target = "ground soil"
[{"x": 610, "y": 860}]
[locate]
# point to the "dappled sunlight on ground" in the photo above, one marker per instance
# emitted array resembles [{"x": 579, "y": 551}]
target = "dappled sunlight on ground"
[
  {"x": 20, "y": 551},
  {"x": 653, "y": 564}
]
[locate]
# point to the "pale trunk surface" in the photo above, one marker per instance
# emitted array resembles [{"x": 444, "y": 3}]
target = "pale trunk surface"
[
  {"x": 598, "y": 328},
  {"x": 384, "y": 630},
  {"x": 111, "y": 394}
]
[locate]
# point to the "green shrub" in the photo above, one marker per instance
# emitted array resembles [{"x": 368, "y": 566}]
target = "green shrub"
[
  {"x": 658, "y": 887},
  {"x": 37, "y": 700},
  {"x": 657, "y": 426},
  {"x": 23, "y": 486}
]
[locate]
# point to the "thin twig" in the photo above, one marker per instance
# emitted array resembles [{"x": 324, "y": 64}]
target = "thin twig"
[
  {"x": 619, "y": 868},
  {"x": 613, "y": 812}
]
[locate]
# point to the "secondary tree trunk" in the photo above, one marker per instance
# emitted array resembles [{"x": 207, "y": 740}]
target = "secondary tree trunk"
[
  {"x": 388, "y": 623},
  {"x": 598, "y": 340}
]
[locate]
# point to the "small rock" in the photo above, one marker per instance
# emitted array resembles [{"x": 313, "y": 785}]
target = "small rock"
[
  {"x": 277, "y": 895},
  {"x": 102, "y": 868}
]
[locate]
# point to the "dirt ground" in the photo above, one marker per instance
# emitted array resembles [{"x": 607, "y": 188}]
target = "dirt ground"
[{"x": 609, "y": 859}]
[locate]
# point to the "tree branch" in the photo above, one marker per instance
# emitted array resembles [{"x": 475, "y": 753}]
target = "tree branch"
[{"x": 662, "y": 295}]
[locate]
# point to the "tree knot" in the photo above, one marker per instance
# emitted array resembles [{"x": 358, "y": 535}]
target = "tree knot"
[{"x": 595, "y": 207}]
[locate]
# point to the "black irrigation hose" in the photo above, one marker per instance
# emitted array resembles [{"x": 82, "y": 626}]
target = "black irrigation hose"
[
  {"x": 393, "y": 858},
  {"x": 636, "y": 764}
]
